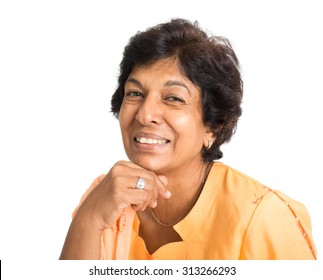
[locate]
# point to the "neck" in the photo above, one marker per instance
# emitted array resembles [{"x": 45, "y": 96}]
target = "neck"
[{"x": 185, "y": 186}]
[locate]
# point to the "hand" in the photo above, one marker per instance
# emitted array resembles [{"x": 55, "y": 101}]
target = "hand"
[{"x": 117, "y": 191}]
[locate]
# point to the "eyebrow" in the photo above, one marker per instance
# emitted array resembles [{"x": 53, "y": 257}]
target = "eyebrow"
[
  {"x": 134, "y": 81},
  {"x": 169, "y": 83},
  {"x": 172, "y": 83}
]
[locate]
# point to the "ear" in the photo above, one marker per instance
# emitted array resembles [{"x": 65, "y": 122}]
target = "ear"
[{"x": 208, "y": 140}]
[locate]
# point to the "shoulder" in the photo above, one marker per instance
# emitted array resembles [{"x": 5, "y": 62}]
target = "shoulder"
[
  {"x": 266, "y": 200},
  {"x": 272, "y": 222},
  {"x": 281, "y": 228},
  {"x": 236, "y": 184},
  {"x": 233, "y": 174},
  {"x": 275, "y": 205}
]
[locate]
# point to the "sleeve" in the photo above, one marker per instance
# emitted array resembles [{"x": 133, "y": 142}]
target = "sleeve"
[
  {"x": 280, "y": 229},
  {"x": 115, "y": 244},
  {"x": 88, "y": 191}
]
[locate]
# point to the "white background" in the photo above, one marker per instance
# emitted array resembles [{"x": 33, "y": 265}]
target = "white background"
[{"x": 58, "y": 67}]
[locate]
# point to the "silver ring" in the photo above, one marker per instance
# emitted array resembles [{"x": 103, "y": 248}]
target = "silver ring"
[{"x": 140, "y": 184}]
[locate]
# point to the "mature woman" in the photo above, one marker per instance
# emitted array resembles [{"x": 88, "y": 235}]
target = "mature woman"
[{"x": 178, "y": 100}]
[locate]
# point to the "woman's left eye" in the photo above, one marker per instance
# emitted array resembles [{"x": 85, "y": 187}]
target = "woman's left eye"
[{"x": 174, "y": 99}]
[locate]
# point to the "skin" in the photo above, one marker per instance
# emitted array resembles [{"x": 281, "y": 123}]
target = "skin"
[{"x": 160, "y": 105}]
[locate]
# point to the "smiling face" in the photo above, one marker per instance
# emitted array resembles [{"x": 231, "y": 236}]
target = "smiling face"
[{"x": 161, "y": 118}]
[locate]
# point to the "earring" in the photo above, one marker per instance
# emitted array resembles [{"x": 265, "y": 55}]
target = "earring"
[{"x": 210, "y": 144}]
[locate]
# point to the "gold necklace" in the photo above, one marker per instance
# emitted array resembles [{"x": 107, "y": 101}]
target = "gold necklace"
[{"x": 188, "y": 208}]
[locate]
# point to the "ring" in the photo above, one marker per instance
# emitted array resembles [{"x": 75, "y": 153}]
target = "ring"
[{"x": 140, "y": 184}]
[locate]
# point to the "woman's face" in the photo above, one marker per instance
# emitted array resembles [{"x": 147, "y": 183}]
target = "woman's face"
[{"x": 161, "y": 118}]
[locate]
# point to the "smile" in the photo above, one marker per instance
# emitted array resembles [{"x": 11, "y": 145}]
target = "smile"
[{"x": 151, "y": 141}]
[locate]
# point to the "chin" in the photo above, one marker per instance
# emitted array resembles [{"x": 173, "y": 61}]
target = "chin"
[{"x": 156, "y": 166}]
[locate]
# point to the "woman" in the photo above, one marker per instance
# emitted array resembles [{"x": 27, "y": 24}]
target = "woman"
[{"x": 178, "y": 100}]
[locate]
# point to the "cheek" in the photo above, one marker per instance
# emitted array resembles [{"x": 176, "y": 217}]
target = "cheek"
[
  {"x": 125, "y": 116},
  {"x": 188, "y": 125},
  {"x": 125, "y": 120}
]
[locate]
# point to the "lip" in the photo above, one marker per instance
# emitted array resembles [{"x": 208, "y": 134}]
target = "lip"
[
  {"x": 150, "y": 146},
  {"x": 150, "y": 135}
]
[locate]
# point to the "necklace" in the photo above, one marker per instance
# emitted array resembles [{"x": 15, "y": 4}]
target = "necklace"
[{"x": 189, "y": 207}]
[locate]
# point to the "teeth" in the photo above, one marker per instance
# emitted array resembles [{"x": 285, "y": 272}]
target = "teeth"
[{"x": 150, "y": 141}]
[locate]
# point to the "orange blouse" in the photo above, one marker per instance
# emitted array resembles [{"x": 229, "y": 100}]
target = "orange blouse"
[{"x": 234, "y": 218}]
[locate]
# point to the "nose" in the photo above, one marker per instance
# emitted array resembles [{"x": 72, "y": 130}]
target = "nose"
[{"x": 150, "y": 111}]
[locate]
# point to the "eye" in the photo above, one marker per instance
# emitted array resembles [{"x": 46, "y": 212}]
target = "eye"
[
  {"x": 133, "y": 95},
  {"x": 175, "y": 99}
]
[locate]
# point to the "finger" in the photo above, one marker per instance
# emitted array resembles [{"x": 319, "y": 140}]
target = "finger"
[
  {"x": 127, "y": 177},
  {"x": 155, "y": 186},
  {"x": 150, "y": 184},
  {"x": 161, "y": 181},
  {"x": 139, "y": 199},
  {"x": 162, "y": 187}
]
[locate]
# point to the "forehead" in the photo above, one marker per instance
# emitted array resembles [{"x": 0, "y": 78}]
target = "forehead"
[
  {"x": 166, "y": 64},
  {"x": 161, "y": 70}
]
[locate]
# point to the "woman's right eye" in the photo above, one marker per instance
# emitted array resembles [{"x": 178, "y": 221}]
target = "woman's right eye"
[{"x": 134, "y": 95}]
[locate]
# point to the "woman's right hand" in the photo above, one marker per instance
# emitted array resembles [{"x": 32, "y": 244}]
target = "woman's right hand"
[{"x": 117, "y": 191}]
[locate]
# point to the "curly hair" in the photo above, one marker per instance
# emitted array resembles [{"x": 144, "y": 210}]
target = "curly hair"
[{"x": 208, "y": 61}]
